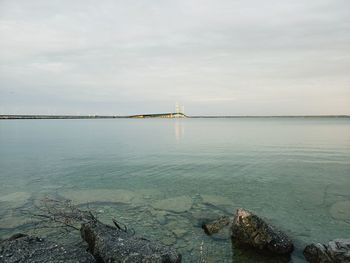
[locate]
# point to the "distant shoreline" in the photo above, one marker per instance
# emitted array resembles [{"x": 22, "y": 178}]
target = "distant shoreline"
[{"x": 146, "y": 116}]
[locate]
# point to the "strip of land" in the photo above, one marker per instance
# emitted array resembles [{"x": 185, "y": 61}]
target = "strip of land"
[{"x": 157, "y": 115}]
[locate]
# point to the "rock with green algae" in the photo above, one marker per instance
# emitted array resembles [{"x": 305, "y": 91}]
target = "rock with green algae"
[
  {"x": 177, "y": 204},
  {"x": 250, "y": 230}
]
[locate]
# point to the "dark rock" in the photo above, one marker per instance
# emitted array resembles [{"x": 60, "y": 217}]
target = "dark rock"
[
  {"x": 216, "y": 225},
  {"x": 23, "y": 249},
  {"x": 110, "y": 244},
  {"x": 337, "y": 251},
  {"x": 250, "y": 230}
]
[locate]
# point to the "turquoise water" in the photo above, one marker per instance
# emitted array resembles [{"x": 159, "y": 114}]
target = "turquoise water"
[{"x": 164, "y": 177}]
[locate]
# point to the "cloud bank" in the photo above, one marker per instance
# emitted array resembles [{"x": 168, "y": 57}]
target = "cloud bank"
[{"x": 216, "y": 57}]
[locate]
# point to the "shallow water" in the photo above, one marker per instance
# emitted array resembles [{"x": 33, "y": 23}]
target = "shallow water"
[{"x": 164, "y": 177}]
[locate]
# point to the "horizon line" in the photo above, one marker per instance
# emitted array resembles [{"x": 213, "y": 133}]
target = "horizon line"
[{"x": 96, "y": 116}]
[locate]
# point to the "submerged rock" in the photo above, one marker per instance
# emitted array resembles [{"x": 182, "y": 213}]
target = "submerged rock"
[
  {"x": 159, "y": 216},
  {"x": 168, "y": 239},
  {"x": 178, "y": 226},
  {"x": 217, "y": 200},
  {"x": 341, "y": 210},
  {"x": 22, "y": 248},
  {"x": 176, "y": 204},
  {"x": 14, "y": 221},
  {"x": 216, "y": 225},
  {"x": 337, "y": 251},
  {"x": 110, "y": 244},
  {"x": 179, "y": 232},
  {"x": 16, "y": 199},
  {"x": 80, "y": 197},
  {"x": 250, "y": 230}
]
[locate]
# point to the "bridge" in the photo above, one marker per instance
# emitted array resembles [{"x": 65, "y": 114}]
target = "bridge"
[
  {"x": 179, "y": 113},
  {"x": 160, "y": 115}
]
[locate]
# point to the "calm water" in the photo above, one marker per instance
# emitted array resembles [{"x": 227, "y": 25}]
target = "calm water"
[{"x": 164, "y": 177}]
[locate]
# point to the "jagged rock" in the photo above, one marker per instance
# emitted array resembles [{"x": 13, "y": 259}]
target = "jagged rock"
[
  {"x": 336, "y": 251},
  {"x": 216, "y": 225},
  {"x": 110, "y": 244},
  {"x": 250, "y": 230},
  {"x": 23, "y": 249},
  {"x": 176, "y": 204}
]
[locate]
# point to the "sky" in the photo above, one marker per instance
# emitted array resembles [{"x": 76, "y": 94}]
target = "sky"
[{"x": 215, "y": 57}]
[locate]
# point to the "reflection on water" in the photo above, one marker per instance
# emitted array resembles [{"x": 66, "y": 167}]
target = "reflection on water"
[
  {"x": 292, "y": 171},
  {"x": 179, "y": 129}
]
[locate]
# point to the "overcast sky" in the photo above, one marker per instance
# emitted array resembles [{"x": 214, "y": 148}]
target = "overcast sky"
[{"x": 216, "y": 57}]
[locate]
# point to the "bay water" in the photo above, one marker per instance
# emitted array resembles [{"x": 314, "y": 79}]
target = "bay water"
[{"x": 165, "y": 177}]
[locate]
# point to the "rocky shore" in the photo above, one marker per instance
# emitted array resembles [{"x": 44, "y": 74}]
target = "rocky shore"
[
  {"x": 254, "y": 238},
  {"x": 104, "y": 243}
]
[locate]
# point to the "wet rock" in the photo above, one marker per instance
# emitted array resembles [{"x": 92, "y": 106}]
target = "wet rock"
[
  {"x": 80, "y": 197},
  {"x": 341, "y": 210},
  {"x": 216, "y": 225},
  {"x": 337, "y": 251},
  {"x": 176, "y": 204},
  {"x": 110, "y": 244},
  {"x": 250, "y": 230},
  {"x": 22, "y": 248}
]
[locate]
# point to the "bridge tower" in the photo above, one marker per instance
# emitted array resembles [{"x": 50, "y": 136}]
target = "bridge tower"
[
  {"x": 179, "y": 111},
  {"x": 177, "y": 108}
]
